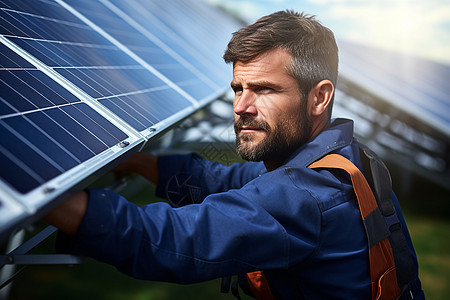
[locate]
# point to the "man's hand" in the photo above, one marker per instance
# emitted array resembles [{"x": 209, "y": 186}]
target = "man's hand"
[
  {"x": 142, "y": 163},
  {"x": 69, "y": 214}
]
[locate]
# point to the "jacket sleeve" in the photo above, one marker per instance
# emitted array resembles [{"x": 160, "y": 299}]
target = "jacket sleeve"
[
  {"x": 227, "y": 234},
  {"x": 187, "y": 179}
]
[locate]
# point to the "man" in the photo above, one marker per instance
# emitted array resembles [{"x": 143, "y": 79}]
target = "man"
[{"x": 301, "y": 226}]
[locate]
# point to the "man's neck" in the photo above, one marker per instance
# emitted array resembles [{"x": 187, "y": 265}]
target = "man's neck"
[
  {"x": 270, "y": 166},
  {"x": 274, "y": 164}
]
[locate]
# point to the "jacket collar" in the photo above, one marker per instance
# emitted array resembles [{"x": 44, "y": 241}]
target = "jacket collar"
[{"x": 338, "y": 135}]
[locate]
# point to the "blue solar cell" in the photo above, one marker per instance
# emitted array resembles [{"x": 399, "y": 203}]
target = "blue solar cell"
[
  {"x": 28, "y": 90},
  {"x": 55, "y": 54},
  {"x": 176, "y": 20},
  {"x": 46, "y": 87},
  {"x": 11, "y": 95},
  {"x": 107, "y": 82},
  {"x": 7, "y": 26},
  {"x": 144, "y": 110},
  {"x": 77, "y": 129},
  {"x": 48, "y": 9},
  {"x": 128, "y": 113},
  {"x": 120, "y": 81},
  {"x": 33, "y": 48},
  {"x": 33, "y": 28},
  {"x": 102, "y": 130},
  {"x": 61, "y": 135},
  {"x": 77, "y": 77},
  {"x": 9, "y": 59},
  {"x": 36, "y": 136},
  {"x": 196, "y": 88},
  {"x": 5, "y": 107},
  {"x": 165, "y": 108},
  {"x": 17, "y": 177},
  {"x": 29, "y": 155}
]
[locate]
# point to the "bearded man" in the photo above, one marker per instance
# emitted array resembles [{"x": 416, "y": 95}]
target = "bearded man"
[{"x": 302, "y": 227}]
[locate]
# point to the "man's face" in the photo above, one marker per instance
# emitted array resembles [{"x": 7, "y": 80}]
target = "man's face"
[{"x": 271, "y": 119}]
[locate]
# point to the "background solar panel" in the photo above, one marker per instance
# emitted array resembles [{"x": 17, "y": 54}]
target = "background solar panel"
[
  {"x": 80, "y": 80},
  {"x": 405, "y": 80}
]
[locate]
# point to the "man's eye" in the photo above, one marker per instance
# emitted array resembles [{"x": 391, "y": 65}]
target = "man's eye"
[
  {"x": 237, "y": 90},
  {"x": 264, "y": 89}
]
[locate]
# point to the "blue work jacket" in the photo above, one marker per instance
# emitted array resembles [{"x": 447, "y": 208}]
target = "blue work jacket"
[{"x": 301, "y": 226}]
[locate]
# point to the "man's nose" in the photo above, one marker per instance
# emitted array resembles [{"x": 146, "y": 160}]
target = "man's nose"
[{"x": 245, "y": 103}]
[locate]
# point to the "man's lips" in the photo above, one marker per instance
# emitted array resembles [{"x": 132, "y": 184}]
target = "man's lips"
[{"x": 247, "y": 129}]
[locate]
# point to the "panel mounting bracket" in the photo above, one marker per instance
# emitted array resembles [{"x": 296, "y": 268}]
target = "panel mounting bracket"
[{"x": 19, "y": 256}]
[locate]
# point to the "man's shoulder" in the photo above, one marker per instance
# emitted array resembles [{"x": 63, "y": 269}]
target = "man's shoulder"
[{"x": 297, "y": 179}]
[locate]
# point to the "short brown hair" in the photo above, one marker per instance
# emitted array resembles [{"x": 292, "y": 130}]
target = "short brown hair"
[{"x": 313, "y": 49}]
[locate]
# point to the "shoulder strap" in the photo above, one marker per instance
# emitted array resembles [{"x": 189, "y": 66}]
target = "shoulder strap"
[
  {"x": 380, "y": 222},
  {"x": 379, "y": 179},
  {"x": 260, "y": 288},
  {"x": 381, "y": 261}
]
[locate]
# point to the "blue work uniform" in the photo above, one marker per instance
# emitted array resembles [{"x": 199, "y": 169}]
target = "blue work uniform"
[{"x": 301, "y": 226}]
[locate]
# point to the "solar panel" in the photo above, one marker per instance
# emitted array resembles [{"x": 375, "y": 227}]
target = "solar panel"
[
  {"x": 416, "y": 86},
  {"x": 84, "y": 82},
  {"x": 400, "y": 107}
]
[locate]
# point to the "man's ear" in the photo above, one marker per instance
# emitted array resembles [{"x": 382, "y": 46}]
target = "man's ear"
[{"x": 319, "y": 98}]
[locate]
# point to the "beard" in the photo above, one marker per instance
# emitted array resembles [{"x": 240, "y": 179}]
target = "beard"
[{"x": 280, "y": 141}]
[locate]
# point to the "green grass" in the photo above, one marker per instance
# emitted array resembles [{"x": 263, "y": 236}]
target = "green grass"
[{"x": 431, "y": 238}]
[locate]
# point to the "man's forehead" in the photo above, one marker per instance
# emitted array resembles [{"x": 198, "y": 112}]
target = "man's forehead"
[
  {"x": 265, "y": 68},
  {"x": 277, "y": 57}
]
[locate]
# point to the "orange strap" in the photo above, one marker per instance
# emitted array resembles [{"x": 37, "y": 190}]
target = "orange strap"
[
  {"x": 360, "y": 185},
  {"x": 381, "y": 262},
  {"x": 382, "y": 266},
  {"x": 260, "y": 287}
]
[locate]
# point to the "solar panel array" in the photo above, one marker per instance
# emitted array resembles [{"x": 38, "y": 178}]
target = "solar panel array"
[
  {"x": 84, "y": 82},
  {"x": 414, "y": 85},
  {"x": 400, "y": 105}
]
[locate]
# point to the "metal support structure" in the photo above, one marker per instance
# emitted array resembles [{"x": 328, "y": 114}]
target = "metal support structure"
[{"x": 17, "y": 255}]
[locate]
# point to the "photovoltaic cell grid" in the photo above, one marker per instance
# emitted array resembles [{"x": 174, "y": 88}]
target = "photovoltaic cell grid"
[
  {"x": 168, "y": 25},
  {"x": 96, "y": 66},
  {"x": 44, "y": 130},
  {"x": 77, "y": 78},
  {"x": 149, "y": 48}
]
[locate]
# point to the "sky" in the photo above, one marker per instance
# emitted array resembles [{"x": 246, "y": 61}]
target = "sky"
[{"x": 417, "y": 27}]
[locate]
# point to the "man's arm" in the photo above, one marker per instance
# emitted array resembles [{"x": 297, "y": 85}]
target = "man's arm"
[
  {"x": 69, "y": 214},
  {"x": 142, "y": 163}
]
